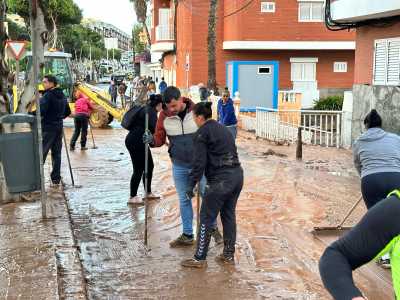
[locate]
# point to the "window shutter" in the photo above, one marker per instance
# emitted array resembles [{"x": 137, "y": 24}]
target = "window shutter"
[
  {"x": 393, "y": 65},
  {"x": 380, "y": 63}
]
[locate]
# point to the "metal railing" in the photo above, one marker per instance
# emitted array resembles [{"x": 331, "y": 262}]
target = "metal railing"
[
  {"x": 164, "y": 33},
  {"x": 322, "y": 128}
]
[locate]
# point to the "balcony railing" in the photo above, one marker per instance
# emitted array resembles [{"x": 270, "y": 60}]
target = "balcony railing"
[{"x": 164, "y": 33}]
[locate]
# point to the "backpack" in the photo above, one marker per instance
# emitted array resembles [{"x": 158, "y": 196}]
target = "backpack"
[{"x": 130, "y": 115}]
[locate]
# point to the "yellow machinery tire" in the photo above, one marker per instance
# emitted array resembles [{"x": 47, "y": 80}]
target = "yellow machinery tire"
[{"x": 99, "y": 117}]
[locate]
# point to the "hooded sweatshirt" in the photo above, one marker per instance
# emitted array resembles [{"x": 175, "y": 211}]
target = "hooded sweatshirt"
[
  {"x": 377, "y": 151},
  {"x": 83, "y": 106},
  {"x": 53, "y": 108},
  {"x": 226, "y": 113}
]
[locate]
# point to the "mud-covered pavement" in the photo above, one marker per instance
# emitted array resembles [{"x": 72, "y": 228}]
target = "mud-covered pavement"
[{"x": 277, "y": 257}]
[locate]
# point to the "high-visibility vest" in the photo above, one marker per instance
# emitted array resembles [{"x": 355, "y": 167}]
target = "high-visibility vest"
[{"x": 393, "y": 249}]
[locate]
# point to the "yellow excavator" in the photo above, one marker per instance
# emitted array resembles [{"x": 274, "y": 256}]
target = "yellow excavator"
[{"x": 59, "y": 64}]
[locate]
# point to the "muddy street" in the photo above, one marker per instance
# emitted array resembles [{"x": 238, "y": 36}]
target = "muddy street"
[
  {"x": 277, "y": 256},
  {"x": 100, "y": 253}
]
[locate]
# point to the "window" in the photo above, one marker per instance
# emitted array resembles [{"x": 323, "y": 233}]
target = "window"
[
  {"x": 303, "y": 69},
  {"x": 264, "y": 70},
  {"x": 311, "y": 11},
  {"x": 340, "y": 66},
  {"x": 267, "y": 7},
  {"x": 387, "y": 62}
]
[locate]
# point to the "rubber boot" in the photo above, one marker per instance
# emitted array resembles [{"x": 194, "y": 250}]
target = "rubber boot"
[{"x": 228, "y": 254}]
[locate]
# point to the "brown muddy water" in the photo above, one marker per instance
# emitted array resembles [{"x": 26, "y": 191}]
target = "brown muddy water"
[{"x": 277, "y": 256}]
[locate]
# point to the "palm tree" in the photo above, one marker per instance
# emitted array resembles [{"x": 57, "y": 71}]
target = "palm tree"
[
  {"x": 4, "y": 71},
  {"x": 211, "y": 46},
  {"x": 141, "y": 14}
]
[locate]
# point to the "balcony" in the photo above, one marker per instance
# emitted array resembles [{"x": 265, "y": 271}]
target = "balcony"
[
  {"x": 164, "y": 33},
  {"x": 361, "y": 10},
  {"x": 164, "y": 39}
]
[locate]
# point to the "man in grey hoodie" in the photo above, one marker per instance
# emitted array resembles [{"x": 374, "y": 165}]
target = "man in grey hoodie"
[{"x": 377, "y": 160}]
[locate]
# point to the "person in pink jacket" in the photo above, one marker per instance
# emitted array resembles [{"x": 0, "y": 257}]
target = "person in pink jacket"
[{"x": 83, "y": 108}]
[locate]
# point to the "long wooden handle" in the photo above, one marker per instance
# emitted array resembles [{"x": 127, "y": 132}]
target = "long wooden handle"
[{"x": 349, "y": 212}]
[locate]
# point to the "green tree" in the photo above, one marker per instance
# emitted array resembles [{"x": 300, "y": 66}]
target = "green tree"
[
  {"x": 57, "y": 13},
  {"x": 117, "y": 54},
  {"x": 16, "y": 32},
  {"x": 83, "y": 40},
  {"x": 140, "y": 7}
]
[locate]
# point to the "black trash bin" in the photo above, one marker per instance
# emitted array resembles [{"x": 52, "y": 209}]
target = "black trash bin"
[{"x": 19, "y": 153}]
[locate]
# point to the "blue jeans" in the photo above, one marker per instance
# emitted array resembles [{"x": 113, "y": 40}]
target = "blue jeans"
[
  {"x": 233, "y": 130},
  {"x": 181, "y": 179}
]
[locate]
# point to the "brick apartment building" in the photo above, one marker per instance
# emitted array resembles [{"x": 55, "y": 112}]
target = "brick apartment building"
[
  {"x": 377, "y": 59},
  {"x": 261, "y": 47}
]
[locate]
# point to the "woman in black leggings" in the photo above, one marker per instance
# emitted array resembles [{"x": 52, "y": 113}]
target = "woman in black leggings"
[
  {"x": 378, "y": 232},
  {"x": 136, "y": 147},
  {"x": 377, "y": 159}
]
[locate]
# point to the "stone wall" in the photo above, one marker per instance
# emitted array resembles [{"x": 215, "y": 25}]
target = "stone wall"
[{"x": 385, "y": 99}]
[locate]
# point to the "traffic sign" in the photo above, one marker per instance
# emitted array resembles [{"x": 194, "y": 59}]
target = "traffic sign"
[{"x": 17, "y": 48}]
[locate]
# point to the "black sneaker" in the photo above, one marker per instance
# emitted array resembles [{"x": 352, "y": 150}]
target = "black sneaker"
[
  {"x": 84, "y": 148},
  {"x": 182, "y": 241},
  {"x": 222, "y": 258}
]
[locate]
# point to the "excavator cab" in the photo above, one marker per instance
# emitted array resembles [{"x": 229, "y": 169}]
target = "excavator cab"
[{"x": 57, "y": 64}]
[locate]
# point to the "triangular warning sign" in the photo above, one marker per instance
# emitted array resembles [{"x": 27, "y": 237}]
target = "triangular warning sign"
[{"x": 17, "y": 48}]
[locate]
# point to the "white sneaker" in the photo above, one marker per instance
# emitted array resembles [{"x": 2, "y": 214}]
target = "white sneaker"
[{"x": 135, "y": 201}]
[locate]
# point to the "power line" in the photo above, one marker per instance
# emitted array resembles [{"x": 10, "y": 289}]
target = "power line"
[{"x": 240, "y": 9}]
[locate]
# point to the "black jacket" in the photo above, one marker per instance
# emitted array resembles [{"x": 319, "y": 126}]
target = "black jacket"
[
  {"x": 214, "y": 152},
  {"x": 53, "y": 109},
  {"x": 138, "y": 125}
]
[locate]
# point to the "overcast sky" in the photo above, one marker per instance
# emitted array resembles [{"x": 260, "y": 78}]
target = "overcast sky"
[{"x": 120, "y": 13}]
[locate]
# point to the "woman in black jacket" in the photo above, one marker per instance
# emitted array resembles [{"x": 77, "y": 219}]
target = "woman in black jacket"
[
  {"x": 215, "y": 156},
  {"x": 136, "y": 147}
]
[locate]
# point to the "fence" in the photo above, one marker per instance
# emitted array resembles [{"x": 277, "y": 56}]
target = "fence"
[
  {"x": 319, "y": 127},
  {"x": 248, "y": 123}
]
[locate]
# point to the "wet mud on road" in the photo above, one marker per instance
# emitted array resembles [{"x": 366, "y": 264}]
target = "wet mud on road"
[
  {"x": 277, "y": 257},
  {"x": 39, "y": 258}
]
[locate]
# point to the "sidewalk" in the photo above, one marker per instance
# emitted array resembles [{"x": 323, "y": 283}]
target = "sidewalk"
[{"x": 38, "y": 259}]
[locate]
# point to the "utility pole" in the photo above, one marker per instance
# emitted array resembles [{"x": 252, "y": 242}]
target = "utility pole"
[{"x": 35, "y": 65}]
